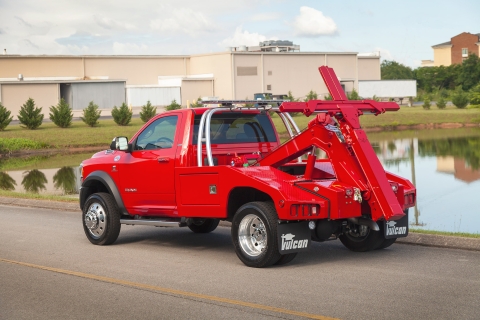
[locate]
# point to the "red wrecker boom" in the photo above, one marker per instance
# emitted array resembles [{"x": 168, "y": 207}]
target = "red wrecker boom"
[{"x": 356, "y": 162}]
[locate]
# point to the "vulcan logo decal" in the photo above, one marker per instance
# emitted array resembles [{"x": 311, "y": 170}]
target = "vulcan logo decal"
[
  {"x": 392, "y": 230},
  {"x": 288, "y": 243}
]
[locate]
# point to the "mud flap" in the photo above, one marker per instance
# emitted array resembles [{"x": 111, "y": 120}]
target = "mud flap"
[
  {"x": 293, "y": 237},
  {"x": 397, "y": 228}
]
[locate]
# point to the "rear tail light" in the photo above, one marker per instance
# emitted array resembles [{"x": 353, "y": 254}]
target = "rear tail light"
[
  {"x": 304, "y": 210},
  {"x": 409, "y": 199}
]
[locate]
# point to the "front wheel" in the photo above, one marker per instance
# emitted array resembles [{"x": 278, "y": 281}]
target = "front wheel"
[
  {"x": 254, "y": 234},
  {"x": 101, "y": 219},
  {"x": 198, "y": 225}
]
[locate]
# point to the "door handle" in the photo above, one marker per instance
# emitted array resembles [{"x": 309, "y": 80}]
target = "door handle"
[{"x": 163, "y": 160}]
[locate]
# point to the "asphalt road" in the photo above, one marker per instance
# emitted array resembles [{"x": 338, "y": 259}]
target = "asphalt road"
[{"x": 49, "y": 270}]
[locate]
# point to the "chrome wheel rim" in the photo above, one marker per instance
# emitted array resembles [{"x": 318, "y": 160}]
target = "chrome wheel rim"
[
  {"x": 252, "y": 235},
  {"x": 95, "y": 220}
]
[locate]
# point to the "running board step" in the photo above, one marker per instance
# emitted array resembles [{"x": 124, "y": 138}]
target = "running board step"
[{"x": 155, "y": 223}]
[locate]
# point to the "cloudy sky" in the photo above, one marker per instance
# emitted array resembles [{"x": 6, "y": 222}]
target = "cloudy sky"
[{"x": 401, "y": 30}]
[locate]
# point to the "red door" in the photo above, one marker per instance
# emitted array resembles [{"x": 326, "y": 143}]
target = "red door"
[{"x": 148, "y": 184}]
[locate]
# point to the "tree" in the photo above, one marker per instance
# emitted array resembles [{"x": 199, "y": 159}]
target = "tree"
[
  {"x": 470, "y": 73},
  {"x": 290, "y": 97},
  {"x": 91, "y": 114},
  {"x": 460, "y": 98},
  {"x": 426, "y": 104},
  {"x": 4, "y": 117},
  {"x": 328, "y": 97},
  {"x": 198, "y": 103},
  {"x": 475, "y": 96},
  {"x": 392, "y": 70},
  {"x": 122, "y": 115},
  {"x": 30, "y": 116},
  {"x": 353, "y": 95},
  {"x": 441, "y": 103},
  {"x": 173, "y": 106},
  {"x": 312, "y": 95},
  {"x": 62, "y": 114},
  {"x": 148, "y": 112}
]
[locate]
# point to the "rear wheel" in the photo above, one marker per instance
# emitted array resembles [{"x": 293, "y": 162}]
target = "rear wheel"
[
  {"x": 254, "y": 234},
  {"x": 361, "y": 238},
  {"x": 101, "y": 219},
  {"x": 286, "y": 258},
  {"x": 386, "y": 242},
  {"x": 198, "y": 225}
]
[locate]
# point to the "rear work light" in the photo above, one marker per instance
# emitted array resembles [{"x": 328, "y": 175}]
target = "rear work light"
[{"x": 304, "y": 210}]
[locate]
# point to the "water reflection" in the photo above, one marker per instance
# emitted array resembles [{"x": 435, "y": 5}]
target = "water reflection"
[
  {"x": 57, "y": 181},
  {"x": 7, "y": 182},
  {"x": 446, "y": 173},
  {"x": 34, "y": 181},
  {"x": 65, "y": 180}
]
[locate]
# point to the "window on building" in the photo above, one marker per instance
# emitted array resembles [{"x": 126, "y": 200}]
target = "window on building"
[
  {"x": 464, "y": 52},
  {"x": 269, "y": 87}
]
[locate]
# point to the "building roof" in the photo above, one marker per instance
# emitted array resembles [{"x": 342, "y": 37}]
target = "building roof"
[{"x": 449, "y": 43}]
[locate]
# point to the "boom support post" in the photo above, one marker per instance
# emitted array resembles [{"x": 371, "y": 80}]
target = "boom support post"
[{"x": 355, "y": 161}]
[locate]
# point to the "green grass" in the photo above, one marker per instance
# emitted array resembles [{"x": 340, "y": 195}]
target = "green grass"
[
  {"x": 8, "y": 145},
  {"x": 424, "y": 134},
  {"x": 19, "y": 195},
  {"x": 44, "y": 161},
  {"x": 78, "y": 135},
  {"x": 406, "y": 116},
  {"x": 445, "y": 233}
]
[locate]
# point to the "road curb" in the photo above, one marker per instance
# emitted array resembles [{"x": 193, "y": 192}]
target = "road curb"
[{"x": 421, "y": 239}]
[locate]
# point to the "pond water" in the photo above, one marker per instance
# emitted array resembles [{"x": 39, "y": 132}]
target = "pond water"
[{"x": 444, "y": 165}]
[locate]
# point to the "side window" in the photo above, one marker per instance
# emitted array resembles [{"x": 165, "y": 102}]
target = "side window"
[{"x": 158, "y": 135}]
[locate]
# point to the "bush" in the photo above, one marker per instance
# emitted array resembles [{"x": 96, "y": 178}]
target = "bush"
[
  {"x": 328, "y": 97},
  {"x": 62, "y": 114},
  {"x": 4, "y": 117},
  {"x": 148, "y": 112},
  {"x": 199, "y": 104},
  {"x": 122, "y": 115},
  {"x": 29, "y": 116},
  {"x": 91, "y": 114},
  {"x": 441, "y": 103},
  {"x": 426, "y": 104},
  {"x": 173, "y": 106},
  {"x": 312, "y": 95},
  {"x": 475, "y": 98},
  {"x": 353, "y": 95},
  {"x": 290, "y": 97},
  {"x": 460, "y": 99}
]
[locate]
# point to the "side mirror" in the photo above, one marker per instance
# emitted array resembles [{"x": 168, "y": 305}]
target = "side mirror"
[{"x": 119, "y": 143}]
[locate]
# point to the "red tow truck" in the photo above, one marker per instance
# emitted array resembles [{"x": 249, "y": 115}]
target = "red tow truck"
[{"x": 195, "y": 167}]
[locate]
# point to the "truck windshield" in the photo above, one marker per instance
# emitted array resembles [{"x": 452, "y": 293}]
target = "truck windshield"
[{"x": 235, "y": 127}]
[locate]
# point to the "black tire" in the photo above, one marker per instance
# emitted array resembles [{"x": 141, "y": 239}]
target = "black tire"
[
  {"x": 101, "y": 219},
  {"x": 361, "y": 243},
  {"x": 386, "y": 242},
  {"x": 260, "y": 249},
  {"x": 286, "y": 258},
  {"x": 198, "y": 225}
]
